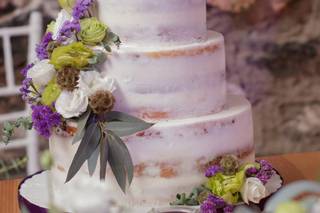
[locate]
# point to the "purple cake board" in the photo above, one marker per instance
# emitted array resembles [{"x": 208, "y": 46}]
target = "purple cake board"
[
  {"x": 33, "y": 208},
  {"x": 25, "y": 204}
]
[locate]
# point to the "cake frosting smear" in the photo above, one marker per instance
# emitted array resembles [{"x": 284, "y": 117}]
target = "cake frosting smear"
[{"x": 169, "y": 70}]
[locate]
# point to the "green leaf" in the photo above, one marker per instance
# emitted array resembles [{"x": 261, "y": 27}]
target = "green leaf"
[
  {"x": 125, "y": 128},
  {"x": 82, "y": 122},
  {"x": 86, "y": 148},
  {"x": 104, "y": 154},
  {"x": 9, "y": 128},
  {"x": 93, "y": 160},
  {"x": 107, "y": 47},
  {"x": 120, "y": 160},
  {"x": 112, "y": 38},
  {"x": 120, "y": 116}
]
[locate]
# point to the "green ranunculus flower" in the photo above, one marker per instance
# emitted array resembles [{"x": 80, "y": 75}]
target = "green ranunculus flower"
[
  {"x": 92, "y": 31},
  {"x": 75, "y": 55},
  {"x": 51, "y": 93},
  {"x": 227, "y": 186},
  {"x": 67, "y": 4}
]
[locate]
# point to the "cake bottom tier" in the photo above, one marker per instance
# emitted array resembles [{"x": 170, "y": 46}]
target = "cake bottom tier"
[{"x": 171, "y": 156}]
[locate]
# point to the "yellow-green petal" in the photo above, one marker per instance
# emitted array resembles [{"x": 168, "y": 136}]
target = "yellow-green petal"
[
  {"x": 74, "y": 55},
  {"x": 92, "y": 31},
  {"x": 67, "y": 4},
  {"x": 50, "y": 93},
  {"x": 50, "y": 27}
]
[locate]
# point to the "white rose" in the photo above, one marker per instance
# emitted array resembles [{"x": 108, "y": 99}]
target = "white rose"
[
  {"x": 63, "y": 16},
  {"x": 253, "y": 190},
  {"x": 41, "y": 73},
  {"x": 92, "y": 81},
  {"x": 72, "y": 104}
]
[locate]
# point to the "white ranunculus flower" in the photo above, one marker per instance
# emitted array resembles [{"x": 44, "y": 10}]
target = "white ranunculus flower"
[
  {"x": 92, "y": 81},
  {"x": 253, "y": 190},
  {"x": 41, "y": 73},
  {"x": 72, "y": 104},
  {"x": 63, "y": 16}
]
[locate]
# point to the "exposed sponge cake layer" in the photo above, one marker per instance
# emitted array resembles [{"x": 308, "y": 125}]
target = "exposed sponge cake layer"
[
  {"x": 171, "y": 156},
  {"x": 161, "y": 83},
  {"x": 155, "y": 21}
]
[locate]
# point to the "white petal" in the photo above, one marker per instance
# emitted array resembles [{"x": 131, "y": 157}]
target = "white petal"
[
  {"x": 41, "y": 73},
  {"x": 63, "y": 16},
  {"x": 273, "y": 184}
]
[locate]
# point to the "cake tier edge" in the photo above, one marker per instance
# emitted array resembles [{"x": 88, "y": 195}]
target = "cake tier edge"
[
  {"x": 170, "y": 83},
  {"x": 171, "y": 156}
]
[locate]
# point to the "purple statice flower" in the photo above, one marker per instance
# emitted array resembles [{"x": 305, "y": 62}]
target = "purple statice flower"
[
  {"x": 214, "y": 204},
  {"x": 266, "y": 171},
  {"x": 228, "y": 209},
  {"x": 44, "y": 119},
  {"x": 252, "y": 172},
  {"x": 218, "y": 202},
  {"x": 25, "y": 89},
  {"x": 81, "y": 8},
  {"x": 68, "y": 29},
  {"x": 25, "y": 70},
  {"x": 42, "y": 48},
  {"x": 208, "y": 207},
  {"x": 212, "y": 170}
]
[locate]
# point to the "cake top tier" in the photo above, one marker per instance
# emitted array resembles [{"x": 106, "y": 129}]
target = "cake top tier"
[{"x": 155, "y": 21}]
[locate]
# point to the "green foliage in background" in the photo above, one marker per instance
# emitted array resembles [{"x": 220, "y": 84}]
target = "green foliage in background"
[
  {"x": 9, "y": 127},
  {"x": 12, "y": 167}
]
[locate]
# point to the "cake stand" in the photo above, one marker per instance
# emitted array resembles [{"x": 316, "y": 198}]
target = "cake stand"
[
  {"x": 33, "y": 197},
  {"x": 33, "y": 193}
]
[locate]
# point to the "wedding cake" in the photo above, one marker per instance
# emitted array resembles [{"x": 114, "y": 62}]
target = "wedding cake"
[
  {"x": 170, "y": 71},
  {"x": 132, "y": 97}
]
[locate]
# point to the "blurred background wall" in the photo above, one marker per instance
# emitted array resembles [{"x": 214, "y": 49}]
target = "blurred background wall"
[{"x": 272, "y": 55}]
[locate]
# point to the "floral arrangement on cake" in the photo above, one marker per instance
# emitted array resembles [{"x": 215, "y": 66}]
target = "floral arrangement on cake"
[
  {"x": 70, "y": 97},
  {"x": 229, "y": 183}
]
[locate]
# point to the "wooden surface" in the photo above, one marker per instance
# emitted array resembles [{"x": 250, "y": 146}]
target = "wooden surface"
[{"x": 292, "y": 167}]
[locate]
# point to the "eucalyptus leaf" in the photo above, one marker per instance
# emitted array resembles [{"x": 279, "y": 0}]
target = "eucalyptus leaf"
[
  {"x": 93, "y": 161},
  {"x": 126, "y": 128},
  {"x": 83, "y": 120},
  {"x": 120, "y": 160},
  {"x": 120, "y": 116},
  {"x": 104, "y": 154},
  {"x": 86, "y": 148}
]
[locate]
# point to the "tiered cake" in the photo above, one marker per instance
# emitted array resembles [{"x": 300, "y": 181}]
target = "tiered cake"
[{"x": 171, "y": 71}]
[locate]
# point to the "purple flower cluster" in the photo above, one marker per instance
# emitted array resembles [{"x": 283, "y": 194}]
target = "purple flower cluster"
[
  {"x": 265, "y": 172},
  {"x": 215, "y": 204},
  {"x": 212, "y": 170},
  {"x": 42, "y": 48},
  {"x": 68, "y": 29},
  {"x": 24, "y": 89},
  {"x": 44, "y": 119},
  {"x": 25, "y": 70},
  {"x": 81, "y": 8}
]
